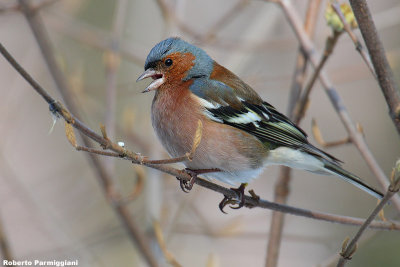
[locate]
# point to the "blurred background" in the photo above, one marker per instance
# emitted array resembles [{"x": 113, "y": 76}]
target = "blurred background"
[{"x": 52, "y": 205}]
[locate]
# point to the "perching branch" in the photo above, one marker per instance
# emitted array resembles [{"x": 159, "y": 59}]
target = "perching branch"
[
  {"x": 381, "y": 65},
  {"x": 349, "y": 250}
]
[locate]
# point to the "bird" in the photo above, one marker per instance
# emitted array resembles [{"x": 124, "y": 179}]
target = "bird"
[{"x": 241, "y": 133}]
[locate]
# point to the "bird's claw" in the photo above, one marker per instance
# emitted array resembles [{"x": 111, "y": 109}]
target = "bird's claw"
[
  {"x": 187, "y": 185},
  {"x": 239, "y": 201}
]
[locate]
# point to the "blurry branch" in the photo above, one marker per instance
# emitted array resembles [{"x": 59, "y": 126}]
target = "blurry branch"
[
  {"x": 381, "y": 65},
  {"x": 356, "y": 137},
  {"x": 348, "y": 249},
  {"x": 103, "y": 176},
  {"x": 4, "y": 247},
  {"x": 353, "y": 37},
  {"x": 281, "y": 190},
  {"x": 300, "y": 71},
  {"x": 160, "y": 239},
  {"x": 135, "y": 158},
  {"x": 139, "y": 185},
  {"x": 10, "y": 8},
  {"x": 112, "y": 62},
  {"x": 37, "y": 7},
  {"x": 224, "y": 20},
  {"x": 303, "y": 102},
  {"x": 170, "y": 16},
  {"x": 93, "y": 37},
  {"x": 43, "y": 4}
]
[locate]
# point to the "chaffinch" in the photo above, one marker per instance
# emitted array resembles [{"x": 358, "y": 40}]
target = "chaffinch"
[{"x": 241, "y": 133}]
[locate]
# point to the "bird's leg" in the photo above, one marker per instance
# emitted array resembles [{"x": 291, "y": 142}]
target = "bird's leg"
[
  {"x": 187, "y": 185},
  {"x": 229, "y": 200}
]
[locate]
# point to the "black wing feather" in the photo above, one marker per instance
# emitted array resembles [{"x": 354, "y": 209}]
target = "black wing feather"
[{"x": 273, "y": 128}]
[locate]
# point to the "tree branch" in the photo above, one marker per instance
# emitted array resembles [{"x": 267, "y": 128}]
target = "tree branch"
[{"x": 381, "y": 65}]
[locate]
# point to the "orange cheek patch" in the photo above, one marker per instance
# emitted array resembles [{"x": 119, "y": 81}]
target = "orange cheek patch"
[{"x": 182, "y": 63}]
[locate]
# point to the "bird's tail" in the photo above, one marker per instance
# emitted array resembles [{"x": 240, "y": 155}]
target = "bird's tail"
[{"x": 351, "y": 178}]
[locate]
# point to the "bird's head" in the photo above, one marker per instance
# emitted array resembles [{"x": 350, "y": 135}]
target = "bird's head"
[{"x": 174, "y": 61}]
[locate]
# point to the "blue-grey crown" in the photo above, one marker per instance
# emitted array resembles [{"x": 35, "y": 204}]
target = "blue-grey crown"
[{"x": 203, "y": 63}]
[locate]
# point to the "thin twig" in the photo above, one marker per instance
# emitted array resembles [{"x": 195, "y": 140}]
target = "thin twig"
[
  {"x": 381, "y": 65},
  {"x": 98, "y": 152},
  {"x": 357, "y": 138},
  {"x": 349, "y": 250},
  {"x": 353, "y": 37}
]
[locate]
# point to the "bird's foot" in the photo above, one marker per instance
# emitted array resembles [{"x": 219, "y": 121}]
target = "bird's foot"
[
  {"x": 239, "y": 201},
  {"x": 187, "y": 185}
]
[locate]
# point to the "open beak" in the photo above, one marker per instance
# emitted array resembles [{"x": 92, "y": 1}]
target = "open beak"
[{"x": 157, "y": 77}]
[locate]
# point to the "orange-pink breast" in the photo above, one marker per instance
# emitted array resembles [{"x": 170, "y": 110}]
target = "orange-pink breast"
[{"x": 175, "y": 115}]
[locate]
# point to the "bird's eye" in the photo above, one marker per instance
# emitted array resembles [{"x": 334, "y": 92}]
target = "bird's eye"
[{"x": 168, "y": 62}]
